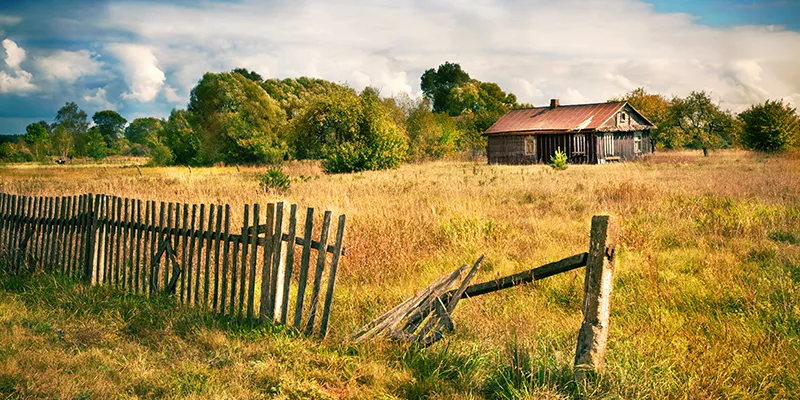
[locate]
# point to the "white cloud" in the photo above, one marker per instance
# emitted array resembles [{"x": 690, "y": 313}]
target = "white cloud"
[
  {"x": 172, "y": 95},
  {"x": 15, "y": 55},
  {"x": 142, "y": 74},
  {"x": 16, "y": 79},
  {"x": 98, "y": 99},
  {"x": 68, "y": 66},
  {"x": 581, "y": 51}
]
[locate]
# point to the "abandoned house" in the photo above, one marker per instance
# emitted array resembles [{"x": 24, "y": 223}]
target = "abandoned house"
[{"x": 587, "y": 133}]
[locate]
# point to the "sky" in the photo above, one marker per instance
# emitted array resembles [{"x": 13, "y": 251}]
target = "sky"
[{"x": 142, "y": 58}]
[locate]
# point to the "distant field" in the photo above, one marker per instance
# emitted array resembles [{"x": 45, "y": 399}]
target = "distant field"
[{"x": 706, "y": 300}]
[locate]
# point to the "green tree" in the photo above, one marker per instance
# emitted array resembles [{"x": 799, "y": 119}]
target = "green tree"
[
  {"x": 431, "y": 135},
  {"x": 73, "y": 119},
  {"x": 141, "y": 130},
  {"x": 37, "y": 140},
  {"x": 350, "y": 132},
  {"x": 251, "y": 75},
  {"x": 237, "y": 121},
  {"x": 438, "y": 83},
  {"x": 655, "y": 108},
  {"x": 96, "y": 146},
  {"x": 294, "y": 94},
  {"x": 180, "y": 137},
  {"x": 110, "y": 124},
  {"x": 771, "y": 126},
  {"x": 62, "y": 142},
  {"x": 701, "y": 122}
]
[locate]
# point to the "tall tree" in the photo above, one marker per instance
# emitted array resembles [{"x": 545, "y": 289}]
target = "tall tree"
[
  {"x": 771, "y": 126},
  {"x": 701, "y": 121},
  {"x": 656, "y": 108},
  {"x": 110, "y": 124},
  {"x": 141, "y": 129},
  {"x": 251, "y": 75},
  {"x": 37, "y": 140},
  {"x": 437, "y": 84},
  {"x": 95, "y": 145},
  {"x": 179, "y": 135},
  {"x": 294, "y": 94},
  {"x": 73, "y": 119},
  {"x": 238, "y": 122},
  {"x": 62, "y": 142}
]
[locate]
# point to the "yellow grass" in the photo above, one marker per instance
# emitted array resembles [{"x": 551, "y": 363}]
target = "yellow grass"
[{"x": 706, "y": 300}]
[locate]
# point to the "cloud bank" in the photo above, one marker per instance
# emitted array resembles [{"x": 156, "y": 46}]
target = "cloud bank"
[{"x": 578, "y": 51}]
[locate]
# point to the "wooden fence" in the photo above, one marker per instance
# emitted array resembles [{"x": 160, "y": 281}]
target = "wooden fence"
[{"x": 264, "y": 271}]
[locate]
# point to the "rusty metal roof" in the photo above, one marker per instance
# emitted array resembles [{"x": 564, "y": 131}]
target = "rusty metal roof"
[{"x": 578, "y": 117}]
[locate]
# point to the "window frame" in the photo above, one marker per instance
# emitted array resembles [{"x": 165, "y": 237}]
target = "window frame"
[{"x": 530, "y": 145}]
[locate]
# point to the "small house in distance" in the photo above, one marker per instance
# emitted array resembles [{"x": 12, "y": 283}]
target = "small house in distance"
[{"x": 587, "y": 133}]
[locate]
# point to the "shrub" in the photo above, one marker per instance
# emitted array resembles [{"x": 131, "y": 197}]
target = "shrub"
[
  {"x": 772, "y": 126},
  {"x": 559, "y": 160},
  {"x": 274, "y": 180}
]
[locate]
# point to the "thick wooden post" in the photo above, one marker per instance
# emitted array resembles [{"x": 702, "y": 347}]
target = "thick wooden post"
[{"x": 593, "y": 335}]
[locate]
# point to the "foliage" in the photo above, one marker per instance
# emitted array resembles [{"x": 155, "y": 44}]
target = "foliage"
[
  {"x": 431, "y": 135},
  {"x": 237, "y": 121},
  {"x": 274, "y": 180},
  {"x": 38, "y": 140},
  {"x": 96, "y": 147},
  {"x": 62, "y": 142},
  {"x": 352, "y": 133},
  {"x": 141, "y": 130},
  {"x": 656, "y": 108},
  {"x": 438, "y": 83},
  {"x": 73, "y": 119},
  {"x": 110, "y": 124},
  {"x": 251, "y": 75},
  {"x": 559, "y": 160},
  {"x": 700, "y": 122},
  {"x": 772, "y": 126},
  {"x": 294, "y": 94},
  {"x": 160, "y": 153},
  {"x": 14, "y": 152},
  {"x": 180, "y": 137}
]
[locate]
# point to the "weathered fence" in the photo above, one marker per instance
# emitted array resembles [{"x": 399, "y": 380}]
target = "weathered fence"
[{"x": 268, "y": 270}]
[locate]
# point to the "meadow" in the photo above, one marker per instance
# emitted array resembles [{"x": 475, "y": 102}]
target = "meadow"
[{"x": 706, "y": 300}]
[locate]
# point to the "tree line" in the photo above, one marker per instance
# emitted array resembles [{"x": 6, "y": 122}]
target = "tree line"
[{"x": 238, "y": 117}]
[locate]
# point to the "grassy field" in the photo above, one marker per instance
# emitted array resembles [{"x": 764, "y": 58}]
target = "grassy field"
[{"x": 706, "y": 300}]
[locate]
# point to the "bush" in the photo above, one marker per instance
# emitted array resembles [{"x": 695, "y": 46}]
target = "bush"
[
  {"x": 274, "y": 180},
  {"x": 771, "y": 127},
  {"x": 559, "y": 160}
]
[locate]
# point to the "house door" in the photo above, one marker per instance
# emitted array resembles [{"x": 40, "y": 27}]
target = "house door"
[{"x": 579, "y": 146}]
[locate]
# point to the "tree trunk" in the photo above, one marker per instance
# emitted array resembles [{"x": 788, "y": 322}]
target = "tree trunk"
[{"x": 705, "y": 151}]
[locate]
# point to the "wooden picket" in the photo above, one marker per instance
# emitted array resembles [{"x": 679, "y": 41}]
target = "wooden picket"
[{"x": 189, "y": 251}]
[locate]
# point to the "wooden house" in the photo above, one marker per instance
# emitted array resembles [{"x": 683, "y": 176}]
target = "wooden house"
[{"x": 587, "y": 133}]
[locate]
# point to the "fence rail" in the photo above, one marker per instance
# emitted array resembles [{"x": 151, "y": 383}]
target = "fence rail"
[{"x": 269, "y": 270}]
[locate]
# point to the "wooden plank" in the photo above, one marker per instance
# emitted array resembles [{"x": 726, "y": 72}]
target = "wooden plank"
[
  {"x": 192, "y": 244},
  {"x": 170, "y": 238},
  {"x": 149, "y": 222},
  {"x": 90, "y": 267},
  {"x": 68, "y": 255},
  {"x": 266, "y": 306},
  {"x": 326, "y": 310},
  {"x": 243, "y": 269},
  {"x": 593, "y": 335},
  {"x": 19, "y": 256},
  {"x": 198, "y": 272},
  {"x": 278, "y": 268},
  {"x": 185, "y": 292},
  {"x": 108, "y": 235},
  {"x": 3, "y": 216},
  {"x": 34, "y": 244},
  {"x": 14, "y": 213},
  {"x": 305, "y": 257},
  {"x": 117, "y": 242},
  {"x": 130, "y": 246},
  {"x": 64, "y": 235},
  {"x": 49, "y": 245},
  {"x": 161, "y": 235},
  {"x": 216, "y": 240},
  {"x": 251, "y": 287},
  {"x": 74, "y": 229},
  {"x": 138, "y": 249},
  {"x": 225, "y": 256},
  {"x": 124, "y": 236},
  {"x": 208, "y": 243},
  {"x": 289, "y": 263},
  {"x": 321, "y": 255},
  {"x": 60, "y": 241}
]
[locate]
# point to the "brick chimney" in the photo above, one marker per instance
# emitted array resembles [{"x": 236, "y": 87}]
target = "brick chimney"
[{"x": 554, "y": 103}]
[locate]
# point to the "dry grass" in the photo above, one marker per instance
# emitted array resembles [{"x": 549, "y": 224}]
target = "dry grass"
[{"x": 706, "y": 301}]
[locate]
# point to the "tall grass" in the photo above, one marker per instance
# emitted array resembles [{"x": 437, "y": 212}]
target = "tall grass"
[{"x": 706, "y": 299}]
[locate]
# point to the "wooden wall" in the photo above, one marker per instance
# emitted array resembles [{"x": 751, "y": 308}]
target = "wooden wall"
[{"x": 510, "y": 149}]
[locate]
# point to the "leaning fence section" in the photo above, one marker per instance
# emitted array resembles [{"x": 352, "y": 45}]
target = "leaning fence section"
[{"x": 279, "y": 266}]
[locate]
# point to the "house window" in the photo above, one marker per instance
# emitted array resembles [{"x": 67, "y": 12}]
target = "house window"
[
  {"x": 579, "y": 144},
  {"x": 637, "y": 142},
  {"x": 530, "y": 145},
  {"x": 608, "y": 144},
  {"x": 623, "y": 118}
]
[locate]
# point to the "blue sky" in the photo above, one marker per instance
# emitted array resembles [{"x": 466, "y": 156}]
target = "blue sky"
[{"x": 142, "y": 58}]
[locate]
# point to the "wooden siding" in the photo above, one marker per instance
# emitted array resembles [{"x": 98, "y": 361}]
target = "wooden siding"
[
  {"x": 510, "y": 149},
  {"x": 623, "y": 145}
]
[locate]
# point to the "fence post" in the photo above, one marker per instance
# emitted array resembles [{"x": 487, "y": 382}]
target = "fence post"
[
  {"x": 89, "y": 268},
  {"x": 593, "y": 335}
]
